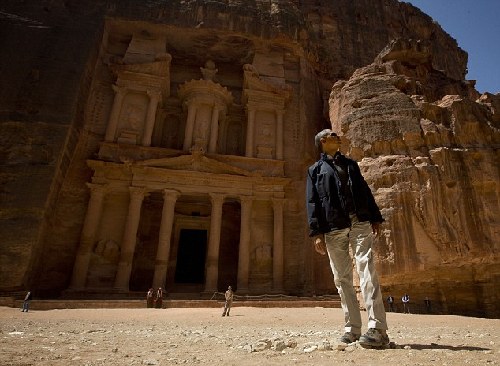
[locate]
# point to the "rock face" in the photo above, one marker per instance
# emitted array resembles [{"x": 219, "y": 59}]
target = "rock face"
[
  {"x": 428, "y": 146},
  {"x": 137, "y": 136}
]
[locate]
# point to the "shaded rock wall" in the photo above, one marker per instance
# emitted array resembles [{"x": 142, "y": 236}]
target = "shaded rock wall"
[{"x": 47, "y": 48}]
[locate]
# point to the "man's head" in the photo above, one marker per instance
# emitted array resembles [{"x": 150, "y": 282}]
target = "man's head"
[
  {"x": 327, "y": 141},
  {"x": 229, "y": 288}
]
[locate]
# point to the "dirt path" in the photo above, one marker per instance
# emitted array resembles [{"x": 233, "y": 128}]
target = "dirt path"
[{"x": 250, "y": 336}]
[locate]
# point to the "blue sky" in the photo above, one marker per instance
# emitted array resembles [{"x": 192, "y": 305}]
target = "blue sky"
[{"x": 475, "y": 24}]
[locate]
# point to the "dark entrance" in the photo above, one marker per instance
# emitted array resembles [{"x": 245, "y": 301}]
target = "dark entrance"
[{"x": 191, "y": 256}]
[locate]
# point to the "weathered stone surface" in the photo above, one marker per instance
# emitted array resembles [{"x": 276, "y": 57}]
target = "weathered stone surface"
[
  {"x": 432, "y": 160},
  {"x": 413, "y": 126}
]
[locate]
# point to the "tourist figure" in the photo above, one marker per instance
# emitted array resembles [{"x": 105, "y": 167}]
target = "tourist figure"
[
  {"x": 229, "y": 295},
  {"x": 159, "y": 298},
  {"x": 406, "y": 303},
  {"x": 427, "y": 303},
  {"x": 342, "y": 212},
  {"x": 150, "y": 298},
  {"x": 390, "y": 302},
  {"x": 26, "y": 303}
]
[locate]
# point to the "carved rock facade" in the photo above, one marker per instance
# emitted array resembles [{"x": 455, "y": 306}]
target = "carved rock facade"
[{"x": 164, "y": 143}]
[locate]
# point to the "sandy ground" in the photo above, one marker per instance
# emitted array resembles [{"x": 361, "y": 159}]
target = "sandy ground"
[{"x": 249, "y": 336}]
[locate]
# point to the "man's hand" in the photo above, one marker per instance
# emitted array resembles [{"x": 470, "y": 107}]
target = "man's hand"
[
  {"x": 319, "y": 244},
  {"x": 376, "y": 228}
]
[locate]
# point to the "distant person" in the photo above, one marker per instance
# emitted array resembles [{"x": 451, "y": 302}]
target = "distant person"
[
  {"x": 427, "y": 303},
  {"x": 159, "y": 298},
  {"x": 26, "y": 303},
  {"x": 342, "y": 214},
  {"x": 390, "y": 302},
  {"x": 229, "y": 295},
  {"x": 406, "y": 303},
  {"x": 150, "y": 298}
]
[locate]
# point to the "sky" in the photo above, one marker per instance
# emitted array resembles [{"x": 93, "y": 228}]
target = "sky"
[{"x": 475, "y": 24}]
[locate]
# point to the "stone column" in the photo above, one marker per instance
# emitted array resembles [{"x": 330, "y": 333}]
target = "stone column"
[
  {"x": 115, "y": 113},
  {"x": 279, "y": 134},
  {"x": 129, "y": 240},
  {"x": 87, "y": 238},
  {"x": 154, "y": 99},
  {"x": 244, "y": 251},
  {"x": 188, "y": 133},
  {"x": 212, "y": 273},
  {"x": 214, "y": 130},
  {"x": 250, "y": 132},
  {"x": 278, "y": 245},
  {"x": 163, "y": 251}
]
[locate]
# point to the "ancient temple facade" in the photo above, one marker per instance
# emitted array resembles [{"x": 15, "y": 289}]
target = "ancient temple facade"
[{"x": 188, "y": 187}]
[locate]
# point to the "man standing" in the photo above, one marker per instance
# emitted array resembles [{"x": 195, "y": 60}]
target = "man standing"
[
  {"x": 390, "y": 301},
  {"x": 341, "y": 212},
  {"x": 229, "y": 301},
  {"x": 427, "y": 303},
  {"x": 406, "y": 303},
  {"x": 150, "y": 298},
  {"x": 159, "y": 298},
  {"x": 26, "y": 303}
]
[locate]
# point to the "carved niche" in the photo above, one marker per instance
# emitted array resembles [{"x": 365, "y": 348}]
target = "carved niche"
[
  {"x": 206, "y": 103},
  {"x": 265, "y": 104},
  {"x": 142, "y": 83}
]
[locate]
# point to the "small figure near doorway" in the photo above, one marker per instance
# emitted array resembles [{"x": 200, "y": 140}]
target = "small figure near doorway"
[
  {"x": 390, "y": 302},
  {"x": 159, "y": 298},
  {"x": 406, "y": 303},
  {"x": 26, "y": 303},
  {"x": 427, "y": 303},
  {"x": 150, "y": 298},
  {"x": 229, "y": 295}
]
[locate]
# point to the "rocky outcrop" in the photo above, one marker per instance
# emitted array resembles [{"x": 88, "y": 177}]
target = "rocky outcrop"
[{"x": 428, "y": 146}]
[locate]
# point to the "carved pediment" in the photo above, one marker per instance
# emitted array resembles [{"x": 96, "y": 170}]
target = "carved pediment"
[
  {"x": 253, "y": 81},
  {"x": 263, "y": 93},
  {"x": 195, "y": 162}
]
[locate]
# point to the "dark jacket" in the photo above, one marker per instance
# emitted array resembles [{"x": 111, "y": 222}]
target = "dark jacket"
[{"x": 326, "y": 206}]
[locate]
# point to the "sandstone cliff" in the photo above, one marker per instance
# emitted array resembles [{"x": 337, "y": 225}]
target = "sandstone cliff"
[{"x": 428, "y": 145}]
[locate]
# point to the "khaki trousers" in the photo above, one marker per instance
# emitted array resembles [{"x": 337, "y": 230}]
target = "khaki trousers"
[{"x": 360, "y": 237}]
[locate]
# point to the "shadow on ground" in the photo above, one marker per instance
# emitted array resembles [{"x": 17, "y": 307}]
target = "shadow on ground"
[{"x": 443, "y": 346}]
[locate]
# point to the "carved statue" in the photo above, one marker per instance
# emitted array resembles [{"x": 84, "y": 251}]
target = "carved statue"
[{"x": 209, "y": 70}]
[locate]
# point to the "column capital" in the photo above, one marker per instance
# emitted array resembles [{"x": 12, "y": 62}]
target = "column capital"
[
  {"x": 170, "y": 194},
  {"x": 98, "y": 188},
  {"x": 220, "y": 108},
  {"x": 217, "y": 197},
  {"x": 280, "y": 112},
  {"x": 277, "y": 201},
  {"x": 246, "y": 199},
  {"x": 251, "y": 108},
  {"x": 189, "y": 103},
  {"x": 138, "y": 192},
  {"x": 118, "y": 89},
  {"x": 154, "y": 94}
]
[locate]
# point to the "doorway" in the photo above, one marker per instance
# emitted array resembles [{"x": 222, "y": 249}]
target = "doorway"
[{"x": 191, "y": 256}]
